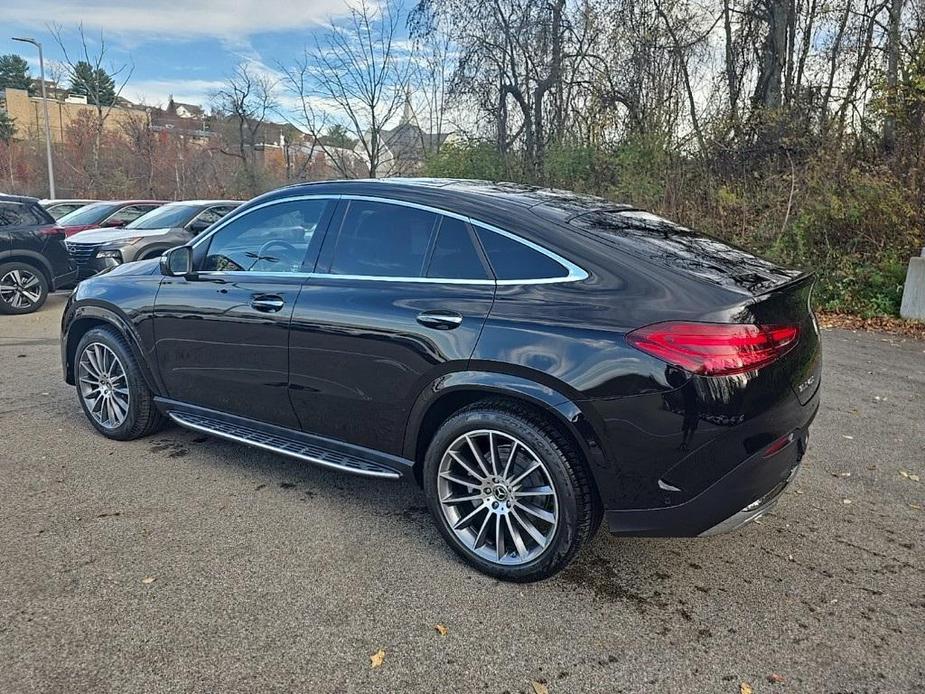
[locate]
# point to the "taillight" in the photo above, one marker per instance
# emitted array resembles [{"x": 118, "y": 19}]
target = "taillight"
[
  {"x": 715, "y": 349},
  {"x": 51, "y": 232}
]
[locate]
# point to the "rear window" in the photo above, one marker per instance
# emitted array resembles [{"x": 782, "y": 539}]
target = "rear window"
[
  {"x": 672, "y": 246},
  {"x": 514, "y": 260}
]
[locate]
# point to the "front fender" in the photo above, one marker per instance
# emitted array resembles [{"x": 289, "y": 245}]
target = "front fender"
[
  {"x": 82, "y": 316},
  {"x": 577, "y": 422}
]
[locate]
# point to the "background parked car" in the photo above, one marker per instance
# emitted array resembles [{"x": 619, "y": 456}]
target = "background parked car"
[
  {"x": 106, "y": 214},
  {"x": 33, "y": 258},
  {"x": 59, "y": 208},
  {"x": 148, "y": 236}
]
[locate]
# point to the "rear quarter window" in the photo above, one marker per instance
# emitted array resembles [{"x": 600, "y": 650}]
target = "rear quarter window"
[
  {"x": 513, "y": 260},
  {"x": 15, "y": 214}
]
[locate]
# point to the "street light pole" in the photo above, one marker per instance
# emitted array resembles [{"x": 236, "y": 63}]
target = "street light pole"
[{"x": 51, "y": 166}]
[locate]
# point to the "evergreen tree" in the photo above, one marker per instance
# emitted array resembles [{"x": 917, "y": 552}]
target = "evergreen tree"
[
  {"x": 14, "y": 73},
  {"x": 7, "y": 127},
  {"x": 95, "y": 84}
]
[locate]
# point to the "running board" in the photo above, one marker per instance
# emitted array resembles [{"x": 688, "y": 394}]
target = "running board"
[{"x": 283, "y": 445}]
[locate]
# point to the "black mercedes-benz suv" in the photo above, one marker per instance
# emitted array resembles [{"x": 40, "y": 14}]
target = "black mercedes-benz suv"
[
  {"x": 536, "y": 360},
  {"x": 33, "y": 257}
]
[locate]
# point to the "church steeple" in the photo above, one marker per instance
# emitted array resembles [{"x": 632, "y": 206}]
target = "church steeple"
[{"x": 407, "y": 115}]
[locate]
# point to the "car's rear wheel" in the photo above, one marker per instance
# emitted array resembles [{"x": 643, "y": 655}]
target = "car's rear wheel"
[
  {"x": 111, "y": 388},
  {"x": 23, "y": 288},
  {"x": 508, "y": 491}
]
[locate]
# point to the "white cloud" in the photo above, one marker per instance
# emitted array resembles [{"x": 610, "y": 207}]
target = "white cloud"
[
  {"x": 169, "y": 18},
  {"x": 158, "y": 92}
]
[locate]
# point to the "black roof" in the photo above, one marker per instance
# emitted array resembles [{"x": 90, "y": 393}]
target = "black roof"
[
  {"x": 25, "y": 199},
  {"x": 559, "y": 205}
]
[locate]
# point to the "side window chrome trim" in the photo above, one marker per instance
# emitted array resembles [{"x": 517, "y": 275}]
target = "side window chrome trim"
[{"x": 575, "y": 273}]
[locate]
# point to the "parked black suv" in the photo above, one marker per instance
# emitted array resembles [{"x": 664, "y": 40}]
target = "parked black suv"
[
  {"x": 33, "y": 258},
  {"x": 536, "y": 360}
]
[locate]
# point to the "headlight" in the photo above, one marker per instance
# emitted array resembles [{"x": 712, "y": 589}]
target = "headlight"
[{"x": 115, "y": 255}]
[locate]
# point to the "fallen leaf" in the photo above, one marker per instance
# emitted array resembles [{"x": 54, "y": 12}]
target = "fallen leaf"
[
  {"x": 539, "y": 687},
  {"x": 376, "y": 658},
  {"x": 148, "y": 579},
  {"x": 745, "y": 688},
  {"x": 846, "y": 501},
  {"x": 774, "y": 678},
  {"x": 904, "y": 473},
  {"x": 442, "y": 630},
  {"x": 845, "y": 436}
]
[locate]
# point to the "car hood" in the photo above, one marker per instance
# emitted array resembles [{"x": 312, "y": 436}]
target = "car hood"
[
  {"x": 113, "y": 235},
  {"x": 140, "y": 267}
]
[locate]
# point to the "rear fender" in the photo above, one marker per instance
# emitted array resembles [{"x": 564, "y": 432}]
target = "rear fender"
[{"x": 481, "y": 384}]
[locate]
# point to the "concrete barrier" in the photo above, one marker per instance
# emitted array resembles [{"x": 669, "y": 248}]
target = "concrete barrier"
[{"x": 913, "y": 305}]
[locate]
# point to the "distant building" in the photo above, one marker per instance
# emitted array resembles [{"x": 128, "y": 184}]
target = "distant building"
[
  {"x": 28, "y": 113},
  {"x": 181, "y": 110},
  {"x": 405, "y": 148}
]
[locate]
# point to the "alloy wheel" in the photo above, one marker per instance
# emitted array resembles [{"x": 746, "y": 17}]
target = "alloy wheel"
[
  {"x": 20, "y": 289},
  {"x": 103, "y": 385},
  {"x": 497, "y": 497}
]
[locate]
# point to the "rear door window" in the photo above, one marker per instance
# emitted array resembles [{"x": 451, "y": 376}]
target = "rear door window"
[
  {"x": 454, "y": 255},
  {"x": 379, "y": 239}
]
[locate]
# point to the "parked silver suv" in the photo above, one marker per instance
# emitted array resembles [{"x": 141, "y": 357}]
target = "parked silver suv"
[{"x": 148, "y": 236}]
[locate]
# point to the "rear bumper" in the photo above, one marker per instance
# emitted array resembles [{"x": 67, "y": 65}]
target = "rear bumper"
[{"x": 745, "y": 493}]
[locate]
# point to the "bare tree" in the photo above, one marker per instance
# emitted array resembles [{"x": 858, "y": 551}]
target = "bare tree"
[
  {"x": 111, "y": 81},
  {"x": 246, "y": 100},
  {"x": 355, "y": 76}
]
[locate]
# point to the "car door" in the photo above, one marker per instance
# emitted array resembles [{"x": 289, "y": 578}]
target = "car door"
[
  {"x": 399, "y": 296},
  {"x": 222, "y": 333}
]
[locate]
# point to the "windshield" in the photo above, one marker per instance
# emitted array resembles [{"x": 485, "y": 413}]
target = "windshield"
[
  {"x": 165, "y": 217},
  {"x": 91, "y": 214}
]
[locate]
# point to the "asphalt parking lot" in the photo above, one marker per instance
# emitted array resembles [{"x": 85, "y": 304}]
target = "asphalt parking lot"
[{"x": 274, "y": 576}]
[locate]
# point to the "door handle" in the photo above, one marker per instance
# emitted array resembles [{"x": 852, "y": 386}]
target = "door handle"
[
  {"x": 268, "y": 304},
  {"x": 441, "y": 320}
]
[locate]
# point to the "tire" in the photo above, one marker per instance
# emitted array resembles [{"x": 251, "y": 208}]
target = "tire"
[
  {"x": 139, "y": 416},
  {"x": 564, "y": 520},
  {"x": 23, "y": 288}
]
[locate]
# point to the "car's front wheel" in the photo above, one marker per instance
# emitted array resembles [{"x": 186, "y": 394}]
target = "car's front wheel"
[
  {"x": 111, "y": 388},
  {"x": 23, "y": 288},
  {"x": 508, "y": 491}
]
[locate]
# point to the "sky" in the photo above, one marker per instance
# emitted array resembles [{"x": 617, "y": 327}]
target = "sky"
[{"x": 183, "y": 48}]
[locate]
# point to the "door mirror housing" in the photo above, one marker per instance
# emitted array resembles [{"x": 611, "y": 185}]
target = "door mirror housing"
[
  {"x": 199, "y": 226},
  {"x": 177, "y": 262}
]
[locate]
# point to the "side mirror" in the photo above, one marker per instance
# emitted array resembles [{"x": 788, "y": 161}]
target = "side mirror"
[
  {"x": 199, "y": 226},
  {"x": 114, "y": 223},
  {"x": 177, "y": 262}
]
